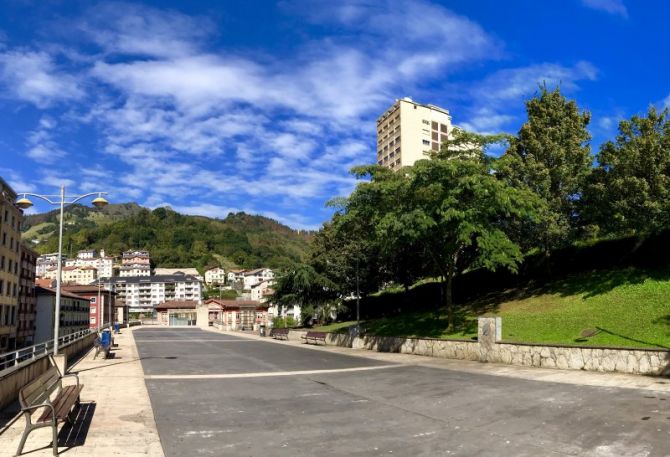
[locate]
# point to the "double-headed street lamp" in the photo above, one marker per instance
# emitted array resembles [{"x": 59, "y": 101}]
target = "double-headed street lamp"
[{"x": 63, "y": 200}]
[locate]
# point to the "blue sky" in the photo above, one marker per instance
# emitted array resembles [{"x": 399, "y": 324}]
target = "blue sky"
[{"x": 263, "y": 107}]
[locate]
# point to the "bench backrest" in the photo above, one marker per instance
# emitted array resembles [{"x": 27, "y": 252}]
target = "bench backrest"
[
  {"x": 280, "y": 331},
  {"x": 316, "y": 335},
  {"x": 39, "y": 390}
]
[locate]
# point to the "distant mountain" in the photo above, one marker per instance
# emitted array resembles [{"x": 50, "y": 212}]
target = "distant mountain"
[{"x": 239, "y": 240}]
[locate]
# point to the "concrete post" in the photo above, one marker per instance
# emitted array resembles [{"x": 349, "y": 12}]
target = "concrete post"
[
  {"x": 489, "y": 332},
  {"x": 60, "y": 360}
]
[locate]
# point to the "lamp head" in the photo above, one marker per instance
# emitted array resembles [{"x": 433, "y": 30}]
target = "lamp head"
[
  {"x": 24, "y": 203},
  {"x": 100, "y": 202}
]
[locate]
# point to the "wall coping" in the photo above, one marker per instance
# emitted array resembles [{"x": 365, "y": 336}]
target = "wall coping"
[{"x": 575, "y": 346}]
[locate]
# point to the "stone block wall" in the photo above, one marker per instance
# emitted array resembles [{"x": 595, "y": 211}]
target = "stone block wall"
[{"x": 489, "y": 348}]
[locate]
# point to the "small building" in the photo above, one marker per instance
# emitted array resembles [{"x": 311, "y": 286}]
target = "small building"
[
  {"x": 176, "y": 313},
  {"x": 78, "y": 275},
  {"x": 253, "y": 277},
  {"x": 74, "y": 314},
  {"x": 183, "y": 271},
  {"x": 215, "y": 276},
  {"x": 236, "y": 314}
]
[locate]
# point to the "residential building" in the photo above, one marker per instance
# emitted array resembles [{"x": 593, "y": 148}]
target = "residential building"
[
  {"x": 78, "y": 275},
  {"x": 74, "y": 314},
  {"x": 253, "y": 277},
  {"x": 215, "y": 276},
  {"x": 236, "y": 314},
  {"x": 179, "y": 271},
  {"x": 292, "y": 311},
  {"x": 236, "y": 275},
  {"x": 25, "y": 332},
  {"x": 135, "y": 263},
  {"x": 88, "y": 258},
  {"x": 142, "y": 293},
  {"x": 102, "y": 303},
  {"x": 46, "y": 262},
  {"x": 407, "y": 130},
  {"x": 261, "y": 291},
  {"x": 10, "y": 261}
]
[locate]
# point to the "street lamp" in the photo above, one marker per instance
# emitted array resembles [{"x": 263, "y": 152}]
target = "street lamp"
[{"x": 24, "y": 203}]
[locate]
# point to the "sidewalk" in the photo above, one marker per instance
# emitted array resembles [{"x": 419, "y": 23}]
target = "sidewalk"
[
  {"x": 115, "y": 419},
  {"x": 578, "y": 377}
]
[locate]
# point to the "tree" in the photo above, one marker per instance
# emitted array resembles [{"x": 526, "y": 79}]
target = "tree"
[
  {"x": 304, "y": 287},
  {"x": 630, "y": 188},
  {"x": 551, "y": 157},
  {"x": 458, "y": 209}
]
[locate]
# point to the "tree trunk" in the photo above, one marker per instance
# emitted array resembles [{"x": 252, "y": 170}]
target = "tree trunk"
[{"x": 449, "y": 302}]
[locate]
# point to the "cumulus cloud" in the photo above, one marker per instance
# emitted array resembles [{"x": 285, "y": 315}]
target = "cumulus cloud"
[{"x": 33, "y": 76}]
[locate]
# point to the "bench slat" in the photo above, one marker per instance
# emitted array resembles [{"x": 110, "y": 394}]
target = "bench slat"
[
  {"x": 43, "y": 386},
  {"x": 62, "y": 404}
]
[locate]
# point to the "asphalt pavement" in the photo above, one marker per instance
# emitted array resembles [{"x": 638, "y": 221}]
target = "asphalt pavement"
[{"x": 221, "y": 395}]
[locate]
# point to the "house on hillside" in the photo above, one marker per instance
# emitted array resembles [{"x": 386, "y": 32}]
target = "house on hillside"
[{"x": 215, "y": 276}]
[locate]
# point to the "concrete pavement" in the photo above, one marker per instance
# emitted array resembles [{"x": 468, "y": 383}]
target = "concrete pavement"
[
  {"x": 116, "y": 418},
  {"x": 250, "y": 397}
]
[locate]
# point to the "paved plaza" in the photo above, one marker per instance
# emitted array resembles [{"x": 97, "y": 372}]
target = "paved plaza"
[{"x": 219, "y": 394}]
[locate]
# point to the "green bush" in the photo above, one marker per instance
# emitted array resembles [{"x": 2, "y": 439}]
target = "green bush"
[{"x": 280, "y": 322}]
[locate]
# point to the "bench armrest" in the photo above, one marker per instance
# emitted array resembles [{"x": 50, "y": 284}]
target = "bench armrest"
[
  {"x": 41, "y": 405},
  {"x": 72, "y": 375}
]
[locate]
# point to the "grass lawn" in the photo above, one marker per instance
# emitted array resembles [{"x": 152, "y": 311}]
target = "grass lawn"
[{"x": 627, "y": 307}]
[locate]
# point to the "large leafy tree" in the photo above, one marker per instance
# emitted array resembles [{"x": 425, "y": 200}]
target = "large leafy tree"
[
  {"x": 550, "y": 156},
  {"x": 630, "y": 188},
  {"x": 304, "y": 287}
]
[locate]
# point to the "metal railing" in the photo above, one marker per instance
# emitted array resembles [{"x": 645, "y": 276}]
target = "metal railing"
[{"x": 12, "y": 361}]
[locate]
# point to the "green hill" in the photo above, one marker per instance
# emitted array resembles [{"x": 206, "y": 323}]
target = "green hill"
[{"x": 239, "y": 240}]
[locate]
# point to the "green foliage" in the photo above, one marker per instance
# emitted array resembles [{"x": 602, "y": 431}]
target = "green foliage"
[
  {"x": 630, "y": 188},
  {"x": 552, "y": 158},
  {"x": 176, "y": 240},
  {"x": 304, "y": 287},
  {"x": 280, "y": 322}
]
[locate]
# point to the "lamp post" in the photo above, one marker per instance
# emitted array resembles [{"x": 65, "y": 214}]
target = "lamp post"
[{"x": 60, "y": 200}]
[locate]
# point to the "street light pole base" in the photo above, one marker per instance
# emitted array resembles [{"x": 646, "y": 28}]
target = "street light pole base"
[{"x": 60, "y": 361}]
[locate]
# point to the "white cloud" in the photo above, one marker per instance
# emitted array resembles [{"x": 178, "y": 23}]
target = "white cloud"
[
  {"x": 615, "y": 7},
  {"x": 42, "y": 147},
  {"x": 34, "y": 77},
  {"x": 493, "y": 96}
]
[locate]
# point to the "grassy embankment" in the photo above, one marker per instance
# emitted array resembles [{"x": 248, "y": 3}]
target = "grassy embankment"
[{"x": 628, "y": 307}]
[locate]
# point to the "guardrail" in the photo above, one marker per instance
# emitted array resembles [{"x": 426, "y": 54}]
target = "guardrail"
[{"x": 12, "y": 361}]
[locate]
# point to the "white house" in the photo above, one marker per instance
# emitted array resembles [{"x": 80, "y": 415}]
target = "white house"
[
  {"x": 215, "y": 275},
  {"x": 253, "y": 277},
  {"x": 260, "y": 291}
]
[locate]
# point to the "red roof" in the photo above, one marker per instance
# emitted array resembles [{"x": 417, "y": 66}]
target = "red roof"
[{"x": 47, "y": 291}]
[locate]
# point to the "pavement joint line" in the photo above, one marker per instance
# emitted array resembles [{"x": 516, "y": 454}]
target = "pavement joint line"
[
  {"x": 268, "y": 374},
  {"x": 178, "y": 340}
]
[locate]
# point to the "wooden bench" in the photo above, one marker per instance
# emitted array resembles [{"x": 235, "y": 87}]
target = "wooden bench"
[
  {"x": 315, "y": 337},
  {"x": 279, "y": 333},
  {"x": 39, "y": 395}
]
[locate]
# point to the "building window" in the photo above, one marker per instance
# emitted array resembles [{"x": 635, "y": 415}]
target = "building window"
[
  {"x": 436, "y": 146},
  {"x": 425, "y": 121},
  {"x": 443, "y": 128},
  {"x": 426, "y": 142},
  {"x": 433, "y": 125}
]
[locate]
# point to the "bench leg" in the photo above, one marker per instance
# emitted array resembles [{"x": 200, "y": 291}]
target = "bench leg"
[
  {"x": 24, "y": 437},
  {"x": 55, "y": 438}
]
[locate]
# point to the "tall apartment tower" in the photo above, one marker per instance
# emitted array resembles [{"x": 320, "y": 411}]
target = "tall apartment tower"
[
  {"x": 407, "y": 130},
  {"x": 25, "y": 332},
  {"x": 10, "y": 263}
]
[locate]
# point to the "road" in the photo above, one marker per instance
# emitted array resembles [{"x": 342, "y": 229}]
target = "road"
[{"x": 221, "y": 395}]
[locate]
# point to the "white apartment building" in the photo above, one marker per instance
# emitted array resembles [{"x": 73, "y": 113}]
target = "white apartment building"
[
  {"x": 142, "y": 293},
  {"x": 46, "y": 262},
  {"x": 261, "y": 291},
  {"x": 216, "y": 275},
  {"x": 103, "y": 264},
  {"x": 253, "y": 277},
  {"x": 407, "y": 130},
  {"x": 235, "y": 275}
]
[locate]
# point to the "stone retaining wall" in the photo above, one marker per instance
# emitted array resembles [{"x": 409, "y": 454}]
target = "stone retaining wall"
[{"x": 489, "y": 348}]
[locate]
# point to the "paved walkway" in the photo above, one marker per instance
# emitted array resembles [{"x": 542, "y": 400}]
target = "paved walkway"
[
  {"x": 116, "y": 418},
  {"x": 576, "y": 377}
]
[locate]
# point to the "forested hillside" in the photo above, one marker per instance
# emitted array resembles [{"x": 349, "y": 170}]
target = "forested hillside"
[{"x": 173, "y": 239}]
